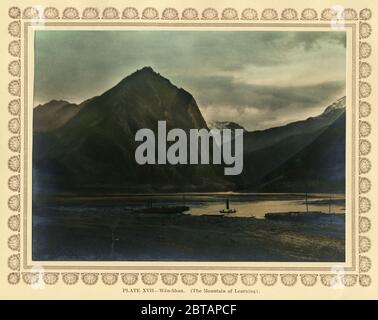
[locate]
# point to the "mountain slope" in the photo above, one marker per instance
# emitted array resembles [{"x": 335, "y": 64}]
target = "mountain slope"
[
  {"x": 275, "y": 146},
  {"x": 256, "y": 140},
  {"x": 53, "y": 115},
  {"x": 319, "y": 167},
  {"x": 96, "y": 148},
  {"x": 259, "y": 163}
]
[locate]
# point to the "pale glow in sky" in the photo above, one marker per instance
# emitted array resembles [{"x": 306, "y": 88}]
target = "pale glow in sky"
[{"x": 258, "y": 79}]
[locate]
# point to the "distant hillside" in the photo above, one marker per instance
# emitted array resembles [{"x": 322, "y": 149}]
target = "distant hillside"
[
  {"x": 255, "y": 140},
  {"x": 319, "y": 167},
  {"x": 259, "y": 163},
  {"x": 53, "y": 115}
]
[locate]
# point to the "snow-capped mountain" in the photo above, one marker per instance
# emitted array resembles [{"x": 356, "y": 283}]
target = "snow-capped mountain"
[{"x": 337, "y": 105}]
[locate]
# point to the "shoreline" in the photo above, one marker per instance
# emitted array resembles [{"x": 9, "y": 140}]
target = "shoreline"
[{"x": 110, "y": 235}]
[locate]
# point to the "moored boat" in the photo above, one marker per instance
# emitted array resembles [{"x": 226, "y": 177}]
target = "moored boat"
[{"x": 227, "y": 210}]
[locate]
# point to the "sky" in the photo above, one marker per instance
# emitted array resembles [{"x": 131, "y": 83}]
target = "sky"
[{"x": 258, "y": 79}]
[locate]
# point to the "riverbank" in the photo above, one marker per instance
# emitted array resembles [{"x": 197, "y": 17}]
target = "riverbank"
[{"x": 110, "y": 234}]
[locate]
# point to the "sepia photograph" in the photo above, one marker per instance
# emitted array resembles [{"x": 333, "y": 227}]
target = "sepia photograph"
[
  {"x": 189, "y": 145},
  {"x": 211, "y": 153}
]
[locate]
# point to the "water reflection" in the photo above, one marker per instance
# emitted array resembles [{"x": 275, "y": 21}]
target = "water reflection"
[{"x": 246, "y": 205}]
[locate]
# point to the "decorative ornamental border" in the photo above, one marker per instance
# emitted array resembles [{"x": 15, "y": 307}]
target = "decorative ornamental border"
[
  {"x": 16, "y": 274},
  {"x": 365, "y": 89},
  {"x": 150, "y": 13}
]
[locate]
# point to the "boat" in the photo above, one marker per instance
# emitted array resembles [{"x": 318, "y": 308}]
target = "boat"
[{"x": 227, "y": 210}]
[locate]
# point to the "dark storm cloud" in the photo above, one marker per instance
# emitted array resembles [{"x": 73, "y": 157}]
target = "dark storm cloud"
[
  {"x": 261, "y": 106},
  {"x": 242, "y": 73},
  {"x": 225, "y": 91}
]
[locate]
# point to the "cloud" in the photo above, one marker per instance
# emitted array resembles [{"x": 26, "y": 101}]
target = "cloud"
[
  {"x": 275, "y": 74},
  {"x": 256, "y": 106},
  {"x": 226, "y": 91},
  {"x": 319, "y": 39}
]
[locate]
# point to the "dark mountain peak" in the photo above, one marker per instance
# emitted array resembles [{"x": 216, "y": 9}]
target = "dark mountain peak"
[
  {"x": 225, "y": 125},
  {"x": 146, "y": 69},
  {"x": 151, "y": 87},
  {"x": 58, "y": 101},
  {"x": 97, "y": 145},
  {"x": 141, "y": 77},
  {"x": 144, "y": 72},
  {"x": 53, "y": 114},
  {"x": 53, "y": 103}
]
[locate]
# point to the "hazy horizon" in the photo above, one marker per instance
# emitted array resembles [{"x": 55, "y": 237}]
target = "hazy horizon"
[{"x": 258, "y": 79}]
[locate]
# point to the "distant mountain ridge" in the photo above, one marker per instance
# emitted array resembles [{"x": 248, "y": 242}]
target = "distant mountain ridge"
[
  {"x": 260, "y": 139},
  {"x": 267, "y": 150},
  {"x": 91, "y": 146},
  {"x": 225, "y": 125},
  {"x": 318, "y": 167},
  {"x": 53, "y": 115}
]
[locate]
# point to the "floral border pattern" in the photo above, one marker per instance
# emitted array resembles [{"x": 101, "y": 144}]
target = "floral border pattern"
[
  {"x": 150, "y": 13},
  {"x": 208, "y": 279},
  {"x": 365, "y": 88}
]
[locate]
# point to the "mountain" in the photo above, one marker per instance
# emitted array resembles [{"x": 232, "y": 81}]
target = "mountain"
[
  {"x": 319, "y": 167},
  {"x": 90, "y": 147},
  {"x": 225, "y": 125},
  {"x": 260, "y": 162},
  {"x": 95, "y": 149},
  {"x": 53, "y": 115},
  {"x": 260, "y": 139},
  {"x": 283, "y": 143}
]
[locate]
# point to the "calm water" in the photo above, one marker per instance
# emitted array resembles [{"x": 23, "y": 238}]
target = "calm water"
[
  {"x": 259, "y": 208},
  {"x": 103, "y": 227},
  {"x": 246, "y": 205}
]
